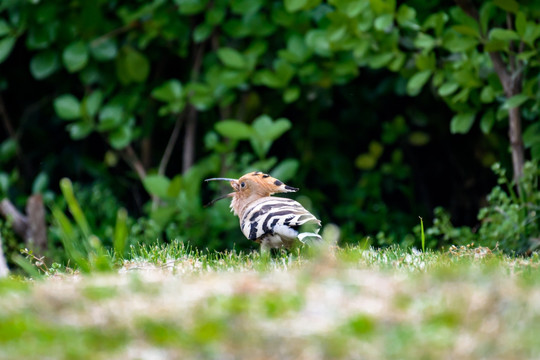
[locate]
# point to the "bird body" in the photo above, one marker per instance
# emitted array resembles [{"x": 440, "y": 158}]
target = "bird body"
[{"x": 273, "y": 222}]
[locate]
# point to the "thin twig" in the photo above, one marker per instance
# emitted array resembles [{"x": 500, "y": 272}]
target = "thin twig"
[
  {"x": 6, "y": 119},
  {"x": 170, "y": 145},
  {"x": 128, "y": 154},
  {"x": 97, "y": 41},
  {"x": 188, "y": 155}
]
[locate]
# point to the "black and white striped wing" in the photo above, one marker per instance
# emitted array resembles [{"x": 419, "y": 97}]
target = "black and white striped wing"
[{"x": 266, "y": 215}]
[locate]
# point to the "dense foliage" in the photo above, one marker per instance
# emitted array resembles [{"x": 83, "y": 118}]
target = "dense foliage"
[{"x": 354, "y": 101}]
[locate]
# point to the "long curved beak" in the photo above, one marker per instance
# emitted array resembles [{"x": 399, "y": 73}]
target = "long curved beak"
[
  {"x": 223, "y": 196},
  {"x": 219, "y": 198}
]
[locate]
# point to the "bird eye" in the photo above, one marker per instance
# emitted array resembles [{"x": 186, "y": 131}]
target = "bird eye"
[{"x": 242, "y": 184}]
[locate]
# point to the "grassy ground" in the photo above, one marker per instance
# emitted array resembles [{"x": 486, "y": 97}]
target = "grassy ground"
[{"x": 353, "y": 303}]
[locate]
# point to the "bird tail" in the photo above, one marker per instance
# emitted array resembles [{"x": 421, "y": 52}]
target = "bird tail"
[{"x": 309, "y": 238}]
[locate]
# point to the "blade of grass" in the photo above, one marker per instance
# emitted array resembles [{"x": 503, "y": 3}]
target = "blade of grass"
[
  {"x": 67, "y": 190},
  {"x": 423, "y": 236},
  {"x": 120, "y": 232},
  {"x": 27, "y": 266}
]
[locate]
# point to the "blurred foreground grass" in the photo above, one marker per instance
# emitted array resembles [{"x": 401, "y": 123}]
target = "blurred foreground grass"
[{"x": 170, "y": 302}]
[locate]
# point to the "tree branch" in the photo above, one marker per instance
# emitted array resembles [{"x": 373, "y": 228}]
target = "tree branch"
[
  {"x": 468, "y": 7},
  {"x": 4, "y": 270},
  {"x": 32, "y": 227},
  {"x": 511, "y": 56}
]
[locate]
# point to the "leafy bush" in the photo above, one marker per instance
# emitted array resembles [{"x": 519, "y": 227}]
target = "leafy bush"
[
  {"x": 509, "y": 221},
  {"x": 156, "y": 95}
]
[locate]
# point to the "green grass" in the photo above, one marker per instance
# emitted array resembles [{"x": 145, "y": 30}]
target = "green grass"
[{"x": 336, "y": 303}]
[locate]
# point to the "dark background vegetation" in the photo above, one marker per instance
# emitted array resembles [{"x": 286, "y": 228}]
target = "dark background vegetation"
[{"x": 350, "y": 97}]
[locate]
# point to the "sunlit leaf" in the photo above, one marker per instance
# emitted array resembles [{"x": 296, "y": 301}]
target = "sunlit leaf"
[
  {"x": 234, "y": 129},
  {"x": 75, "y": 56},
  {"x": 462, "y": 123},
  {"x": 67, "y": 107},
  {"x": 6, "y": 44}
]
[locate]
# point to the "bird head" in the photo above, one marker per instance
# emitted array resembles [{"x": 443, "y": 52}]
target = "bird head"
[{"x": 252, "y": 186}]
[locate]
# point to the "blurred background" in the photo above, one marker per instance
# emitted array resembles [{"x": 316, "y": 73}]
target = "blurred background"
[{"x": 381, "y": 112}]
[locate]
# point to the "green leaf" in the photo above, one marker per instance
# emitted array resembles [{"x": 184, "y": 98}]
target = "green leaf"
[
  {"x": 4, "y": 28},
  {"x": 286, "y": 170},
  {"x": 234, "y": 129},
  {"x": 175, "y": 187},
  {"x": 366, "y": 161},
  {"x": 75, "y": 56},
  {"x": 535, "y": 151},
  {"x": 202, "y": 32},
  {"x": 417, "y": 82},
  {"x": 201, "y": 96},
  {"x": 92, "y": 103},
  {"x": 507, "y": 5},
  {"x": 295, "y": 5},
  {"x": 67, "y": 107},
  {"x": 532, "y": 32},
  {"x": 270, "y": 130},
  {"x": 405, "y": 14},
  {"x": 120, "y": 232},
  {"x": 6, "y": 44},
  {"x": 284, "y": 71},
  {"x": 267, "y": 78},
  {"x": 291, "y": 94},
  {"x": 466, "y": 30},
  {"x": 487, "y": 95},
  {"x": 157, "y": 185},
  {"x": 515, "y": 101},
  {"x": 104, "y": 50},
  {"x": 462, "y": 123},
  {"x": 503, "y": 34},
  {"x": 44, "y": 64},
  {"x": 380, "y": 60},
  {"x": 8, "y": 149},
  {"x": 487, "y": 121},
  {"x": 486, "y": 13},
  {"x": 383, "y": 22},
  {"x": 494, "y": 45},
  {"x": 80, "y": 129},
  {"x": 121, "y": 137},
  {"x": 110, "y": 117},
  {"x": 521, "y": 24},
  {"x": 40, "y": 183},
  {"x": 424, "y": 41},
  {"x": 231, "y": 58},
  {"x": 317, "y": 41},
  {"x": 215, "y": 15},
  {"x": 457, "y": 43},
  {"x": 531, "y": 135},
  {"x": 191, "y": 7},
  {"x": 137, "y": 65},
  {"x": 448, "y": 88},
  {"x": 169, "y": 91},
  {"x": 419, "y": 138}
]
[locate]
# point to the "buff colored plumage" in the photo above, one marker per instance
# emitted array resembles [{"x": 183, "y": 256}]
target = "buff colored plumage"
[{"x": 273, "y": 222}]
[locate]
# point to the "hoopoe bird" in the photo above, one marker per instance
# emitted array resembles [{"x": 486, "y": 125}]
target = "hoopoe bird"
[{"x": 273, "y": 222}]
